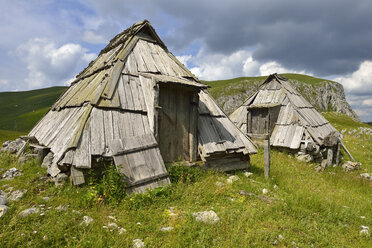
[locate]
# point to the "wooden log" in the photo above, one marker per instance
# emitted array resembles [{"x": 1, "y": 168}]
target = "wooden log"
[
  {"x": 267, "y": 157},
  {"x": 347, "y": 151},
  {"x": 249, "y": 122},
  {"x": 193, "y": 139},
  {"x": 338, "y": 152},
  {"x": 329, "y": 156}
]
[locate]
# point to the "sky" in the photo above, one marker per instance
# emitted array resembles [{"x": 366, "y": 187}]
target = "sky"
[{"x": 45, "y": 43}]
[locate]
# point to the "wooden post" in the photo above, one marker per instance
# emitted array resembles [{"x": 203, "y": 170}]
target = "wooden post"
[
  {"x": 267, "y": 156},
  {"x": 193, "y": 139},
  {"x": 156, "y": 109},
  {"x": 249, "y": 122},
  {"x": 338, "y": 152},
  {"x": 347, "y": 152},
  {"x": 329, "y": 156}
]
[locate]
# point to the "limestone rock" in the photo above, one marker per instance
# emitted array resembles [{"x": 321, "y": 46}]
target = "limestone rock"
[
  {"x": 209, "y": 217},
  {"x": 304, "y": 157},
  {"x": 13, "y": 146},
  {"x": 11, "y": 173},
  {"x": 3, "y": 200},
  {"x": 48, "y": 160},
  {"x": 364, "y": 231},
  {"x": 17, "y": 194},
  {"x": 86, "y": 220},
  {"x": 166, "y": 229},
  {"x": 265, "y": 191},
  {"x": 366, "y": 176},
  {"x": 349, "y": 166},
  {"x": 60, "y": 179},
  {"x": 29, "y": 211},
  {"x": 3, "y": 210},
  {"x": 53, "y": 170},
  {"x": 248, "y": 174},
  {"x": 138, "y": 243},
  {"x": 232, "y": 179},
  {"x": 112, "y": 226}
]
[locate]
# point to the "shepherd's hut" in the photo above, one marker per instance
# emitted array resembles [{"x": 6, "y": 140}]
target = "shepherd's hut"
[
  {"x": 139, "y": 106},
  {"x": 278, "y": 111}
]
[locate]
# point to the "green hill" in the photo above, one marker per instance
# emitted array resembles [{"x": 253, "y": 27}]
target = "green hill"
[{"x": 20, "y": 111}]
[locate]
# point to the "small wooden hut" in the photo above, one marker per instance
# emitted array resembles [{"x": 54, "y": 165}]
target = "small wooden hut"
[
  {"x": 138, "y": 105},
  {"x": 279, "y": 111}
]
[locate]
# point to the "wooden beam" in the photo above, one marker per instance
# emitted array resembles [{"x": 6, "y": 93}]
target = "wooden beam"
[
  {"x": 347, "y": 151},
  {"x": 338, "y": 152},
  {"x": 193, "y": 138},
  {"x": 267, "y": 156}
]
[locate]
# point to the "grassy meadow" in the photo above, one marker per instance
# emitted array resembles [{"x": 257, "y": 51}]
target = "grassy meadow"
[{"x": 308, "y": 209}]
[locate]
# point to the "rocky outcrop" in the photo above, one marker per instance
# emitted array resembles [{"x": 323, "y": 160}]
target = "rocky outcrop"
[{"x": 324, "y": 96}]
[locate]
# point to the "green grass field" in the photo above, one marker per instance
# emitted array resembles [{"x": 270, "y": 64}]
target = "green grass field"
[
  {"x": 20, "y": 111},
  {"x": 308, "y": 208}
]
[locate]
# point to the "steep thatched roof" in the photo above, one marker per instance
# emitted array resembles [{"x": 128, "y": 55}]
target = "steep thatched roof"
[
  {"x": 112, "y": 102},
  {"x": 296, "y": 117}
]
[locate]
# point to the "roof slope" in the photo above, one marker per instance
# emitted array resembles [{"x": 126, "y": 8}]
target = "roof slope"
[
  {"x": 296, "y": 117},
  {"x": 113, "y": 99}
]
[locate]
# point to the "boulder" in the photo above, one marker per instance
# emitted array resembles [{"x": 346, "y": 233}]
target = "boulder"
[
  {"x": 13, "y": 146},
  {"x": 48, "y": 160},
  {"x": 53, "y": 170},
  {"x": 60, "y": 179}
]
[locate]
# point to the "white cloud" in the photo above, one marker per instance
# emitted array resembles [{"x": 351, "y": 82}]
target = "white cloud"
[
  {"x": 359, "y": 81},
  {"x": 274, "y": 67},
  {"x": 92, "y": 37},
  {"x": 367, "y": 102},
  {"x": 219, "y": 66},
  {"x": 50, "y": 65},
  {"x": 184, "y": 59}
]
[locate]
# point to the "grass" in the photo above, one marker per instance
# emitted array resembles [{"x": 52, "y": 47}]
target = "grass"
[
  {"x": 9, "y": 135},
  {"x": 20, "y": 111},
  {"x": 308, "y": 208}
]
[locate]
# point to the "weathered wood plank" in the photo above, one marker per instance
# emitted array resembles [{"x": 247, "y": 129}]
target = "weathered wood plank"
[{"x": 77, "y": 176}]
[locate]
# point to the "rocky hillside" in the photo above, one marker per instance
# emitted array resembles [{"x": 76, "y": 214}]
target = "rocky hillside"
[{"x": 325, "y": 95}]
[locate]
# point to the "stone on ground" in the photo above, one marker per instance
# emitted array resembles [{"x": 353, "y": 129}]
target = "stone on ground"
[
  {"x": 29, "y": 211},
  {"x": 349, "y": 166},
  {"x": 17, "y": 194},
  {"x": 86, "y": 220},
  {"x": 3, "y": 210},
  {"x": 11, "y": 173},
  {"x": 3, "y": 200},
  {"x": 232, "y": 179},
  {"x": 209, "y": 217},
  {"x": 248, "y": 174},
  {"x": 138, "y": 243},
  {"x": 166, "y": 229}
]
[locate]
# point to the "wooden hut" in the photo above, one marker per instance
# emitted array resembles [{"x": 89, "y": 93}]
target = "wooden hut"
[
  {"x": 279, "y": 111},
  {"x": 138, "y": 105}
]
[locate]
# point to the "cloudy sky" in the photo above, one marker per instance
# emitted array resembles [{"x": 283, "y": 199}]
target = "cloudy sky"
[{"x": 47, "y": 42}]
